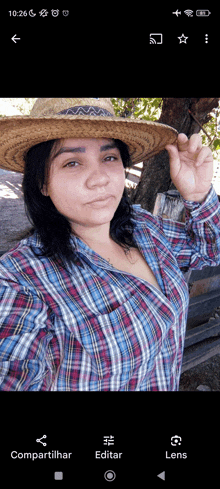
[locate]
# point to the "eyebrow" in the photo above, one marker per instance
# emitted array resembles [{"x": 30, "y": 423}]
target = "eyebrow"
[
  {"x": 82, "y": 149},
  {"x": 108, "y": 146}
]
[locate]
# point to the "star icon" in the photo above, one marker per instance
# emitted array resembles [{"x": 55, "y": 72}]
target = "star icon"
[{"x": 183, "y": 39}]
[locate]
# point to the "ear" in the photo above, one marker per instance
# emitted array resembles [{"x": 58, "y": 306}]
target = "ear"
[{"x": 44, "y": 190}]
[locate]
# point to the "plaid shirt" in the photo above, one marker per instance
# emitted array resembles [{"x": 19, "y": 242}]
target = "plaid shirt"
[{"x": 91, "y": 327}]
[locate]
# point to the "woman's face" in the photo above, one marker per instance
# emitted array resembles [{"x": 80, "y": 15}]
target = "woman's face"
[{"x": 86, "y": 181}]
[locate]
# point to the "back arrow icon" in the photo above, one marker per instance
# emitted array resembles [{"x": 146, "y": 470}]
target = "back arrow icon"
[
  {"x": 162, "y": 475},
  {"x": 15, "y": 39}
]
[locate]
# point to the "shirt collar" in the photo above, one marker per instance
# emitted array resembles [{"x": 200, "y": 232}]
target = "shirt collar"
[{"x": 83, "y": 249}]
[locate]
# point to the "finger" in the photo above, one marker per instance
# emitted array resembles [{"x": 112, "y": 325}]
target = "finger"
[
  {"x": 182, "y": 138},
  {"x": 182, "y": 141},
  {"x": 204, "y": 153},
  {"x": 172, "y": 150},
  {"x": 191, "y": 145},
  {"x": 173, "y": 160},
  {"x": 195, "y": 143}
]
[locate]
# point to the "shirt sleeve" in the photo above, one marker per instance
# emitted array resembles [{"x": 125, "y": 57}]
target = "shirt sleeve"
[
  {"x": 196, "y": 243},
  {"x": 25, "y": 337}
]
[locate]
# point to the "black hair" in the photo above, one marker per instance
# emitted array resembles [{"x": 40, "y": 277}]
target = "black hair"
[{"x": 54, "y": 228}]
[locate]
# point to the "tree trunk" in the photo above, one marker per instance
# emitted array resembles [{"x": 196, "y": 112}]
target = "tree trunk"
[{"x": 175, "y": 113}]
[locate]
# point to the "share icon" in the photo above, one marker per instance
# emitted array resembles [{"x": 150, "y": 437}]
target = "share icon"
[{"x": 39, "y": 440}]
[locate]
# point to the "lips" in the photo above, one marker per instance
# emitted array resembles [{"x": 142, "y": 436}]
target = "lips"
[{"x": 100, "y": 201}]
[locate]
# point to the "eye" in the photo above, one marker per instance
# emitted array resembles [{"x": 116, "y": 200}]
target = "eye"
[
  {"x": 110, "y": 158},
  {"x": 71, "y": 164}
]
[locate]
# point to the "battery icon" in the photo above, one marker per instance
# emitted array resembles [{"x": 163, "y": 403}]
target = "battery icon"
[{"x": 203, "y": 13}]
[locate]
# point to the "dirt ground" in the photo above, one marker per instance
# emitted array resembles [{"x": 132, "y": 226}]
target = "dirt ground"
[
  {"x": 206, "y": 374},
  {"x": 12, "y": 212}
]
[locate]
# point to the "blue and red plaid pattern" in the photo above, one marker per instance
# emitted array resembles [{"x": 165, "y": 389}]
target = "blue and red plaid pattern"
[{"x": 91, "y": 327}]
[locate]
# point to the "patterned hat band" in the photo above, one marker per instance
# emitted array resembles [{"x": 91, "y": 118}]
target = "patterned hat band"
[{"x": 86, "y": 110}]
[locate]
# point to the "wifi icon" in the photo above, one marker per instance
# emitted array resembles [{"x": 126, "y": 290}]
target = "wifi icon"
[{"x": 189, "y": 13}]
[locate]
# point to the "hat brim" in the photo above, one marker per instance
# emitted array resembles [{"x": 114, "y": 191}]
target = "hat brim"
[{"x": 18, "y": 134}]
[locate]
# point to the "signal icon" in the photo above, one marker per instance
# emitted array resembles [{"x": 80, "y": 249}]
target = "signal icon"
[{"x": 189, "y": 13}]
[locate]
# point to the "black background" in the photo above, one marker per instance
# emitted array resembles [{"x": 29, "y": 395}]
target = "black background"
[{"x": 142, "y": 425}]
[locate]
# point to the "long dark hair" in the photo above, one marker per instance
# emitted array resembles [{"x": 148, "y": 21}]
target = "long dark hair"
[{"x": 54, "y": 228}]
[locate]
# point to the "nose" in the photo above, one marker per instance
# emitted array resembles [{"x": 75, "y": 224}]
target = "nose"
[{"x": 97, "y": 178}]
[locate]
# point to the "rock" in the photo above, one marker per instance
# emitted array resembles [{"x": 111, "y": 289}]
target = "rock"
[{"x": 203, "y": 388}]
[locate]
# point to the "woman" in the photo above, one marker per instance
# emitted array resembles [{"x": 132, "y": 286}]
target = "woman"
[{"x": 95, "y": 298}]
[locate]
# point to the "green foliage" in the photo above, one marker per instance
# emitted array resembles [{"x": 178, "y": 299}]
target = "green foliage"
[
  {"x": 148, "y": 109},
  {"x": 216, "y": 144},
  {"x": 212, "y": 136}
]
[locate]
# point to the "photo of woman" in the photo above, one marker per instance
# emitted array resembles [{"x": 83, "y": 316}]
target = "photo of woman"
[{"x": 95, "y": 298}]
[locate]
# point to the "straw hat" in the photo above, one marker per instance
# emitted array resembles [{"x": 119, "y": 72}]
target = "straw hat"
[{"x": 56, "y": 118}]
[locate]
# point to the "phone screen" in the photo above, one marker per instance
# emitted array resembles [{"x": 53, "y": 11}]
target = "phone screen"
[{"x": 146, "y": 63}]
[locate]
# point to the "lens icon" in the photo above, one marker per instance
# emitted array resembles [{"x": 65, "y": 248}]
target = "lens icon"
[{"x": 110, "y": 475}]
